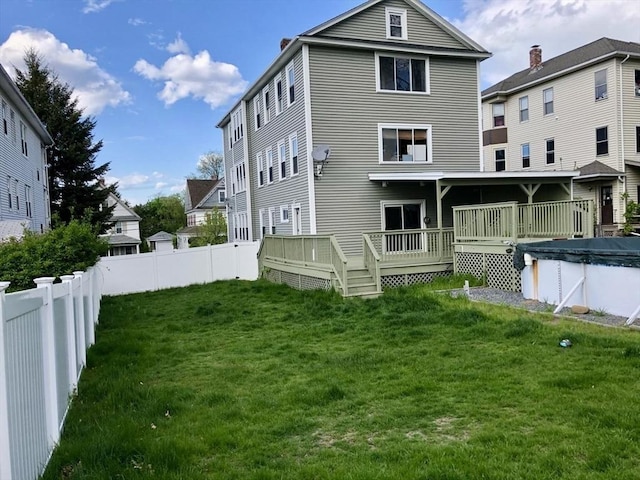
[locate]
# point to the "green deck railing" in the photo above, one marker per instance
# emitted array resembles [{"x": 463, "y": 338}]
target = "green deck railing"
[
  {"x": 509, "y": 221},
  {"x": 307, "y": 251},
  {"x": 424, "y": 245}
]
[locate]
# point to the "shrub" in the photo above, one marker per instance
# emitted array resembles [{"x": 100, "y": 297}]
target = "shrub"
[{"x": 60, "y": 251}]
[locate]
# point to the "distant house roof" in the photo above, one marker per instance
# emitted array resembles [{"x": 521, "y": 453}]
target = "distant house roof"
[
  {"x": 193, "y": 230},
  {"x": 131, "y": 215},
  {"x": 198, "y": 189},
  {"x": 575, "y": 59},
  {"x": 119, "y": 239},
  {"x": 13, "y": 228},
  {"x": 161, "y": 237},
  {"x": 13, "y": 92}
]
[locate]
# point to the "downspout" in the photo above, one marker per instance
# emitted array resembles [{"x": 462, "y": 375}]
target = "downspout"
[
  {"x": 479, "y": 116},
  {"x": 621, "y": 148}
]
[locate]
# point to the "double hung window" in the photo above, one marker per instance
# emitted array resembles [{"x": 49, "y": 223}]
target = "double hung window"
[{"x": 402, "y": 74}]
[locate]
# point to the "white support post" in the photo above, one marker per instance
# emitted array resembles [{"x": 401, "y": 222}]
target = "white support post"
[
  {"x": 571, "y": 292},
  {"x": 89, "y": 291},
  {"x": 90, "y": 328},
  {"x": 49, "y": 361},
  {"x": 72, "y": 358},
  {"x": 633, "y": 316},
  {"x": 79, "y": 317},
  {"x": 5, "y": 444}
]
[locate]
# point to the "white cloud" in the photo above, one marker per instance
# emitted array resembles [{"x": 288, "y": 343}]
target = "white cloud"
[
  {"x": 93, "y": 6},
  {"x": 508, "y": 28},
  {"x": 94, "y": 87},
  {"x": 136, "y": 22},
  {"x": 129, "y": 181},
  {"x": 138, "y": 188},
  {"x": 196, "y": 76},
  {"x": 178, "y": 46},
  {"x": 161, "y": 185}
]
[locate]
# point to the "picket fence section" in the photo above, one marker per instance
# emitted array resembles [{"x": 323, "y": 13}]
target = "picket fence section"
[
  {"x": 44, "y": 335},
  {"x": 178, "y": 268}
]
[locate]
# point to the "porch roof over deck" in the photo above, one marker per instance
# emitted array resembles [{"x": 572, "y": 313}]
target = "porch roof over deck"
[{"x": 469, "y": 177}]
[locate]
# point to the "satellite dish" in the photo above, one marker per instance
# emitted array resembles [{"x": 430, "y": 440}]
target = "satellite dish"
[{"x": 321, "y": 153}]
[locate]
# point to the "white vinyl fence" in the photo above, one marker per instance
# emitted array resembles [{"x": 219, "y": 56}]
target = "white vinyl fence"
[
  {"x": 178, "y": 268},
  {"x": 44, "y": 335}
]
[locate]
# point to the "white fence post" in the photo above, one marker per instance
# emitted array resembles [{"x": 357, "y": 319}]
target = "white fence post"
[
  {"x": 5, "y": 444},
  {"x": 89, "y": 291},
  {"x": 72, "y": 358},
  {"x": 78, "y": 305},
  {"x": 49, "y": 360},
  {"x": 90, "y": 328}
]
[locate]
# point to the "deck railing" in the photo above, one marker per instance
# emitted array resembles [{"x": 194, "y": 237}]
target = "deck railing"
[
  {"x": 371, "y": 259},
  {"x": 510, "y": 221},
  {"x": 307, "y": 250},
  {"x": 431, "y": 245}
]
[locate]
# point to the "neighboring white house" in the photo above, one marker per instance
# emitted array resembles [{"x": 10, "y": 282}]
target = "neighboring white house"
[
  {"x": 124, "y": 235},
  {"x": 24, "y": 187},
  {"x": 201, "y": 198},
  {"x": 161, "y": 242},
  {"x": 577, "y": 111}
]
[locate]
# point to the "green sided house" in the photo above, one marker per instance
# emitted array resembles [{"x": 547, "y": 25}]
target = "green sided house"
[{"x": 348, "y": 154}]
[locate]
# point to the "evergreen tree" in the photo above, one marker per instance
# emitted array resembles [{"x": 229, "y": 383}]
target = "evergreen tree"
[{"x": 74, "y": 178}]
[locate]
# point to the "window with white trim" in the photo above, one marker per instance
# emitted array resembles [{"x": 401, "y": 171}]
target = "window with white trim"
[
  {"x": 291, "y": 84},
  {"x": 524, "y": 108},
  {"x": 260, "y": 166},
  {"x": 236, "y": 125},
  {"x": 14, "y": 189},
  {"x": 600, "y": 80},
  {"x": 547, "y": 100},
  {"x": 241, "y": 226},
  {"x": 222, "y": 196},
  {"x": 233, "y": 182},
  {"x": 636, "y": 83},
  {"x": 9, "y": 195},
  {"x": 28, "y": 201},
  {"x": 402, "y": 74},
  {"x": 602, "y": 141},
  {"x": 269, "y": 165},
  {"x": 284, "y": 213},
  {"x": 501, "y": 160},
  {"x": 550, "y": 150},
  {"x": 12, "y": 117},
  {"x": 257, "y": 112},
  {"x": 293, "y": 153},
  {"x": 266, "y": 102},
  {"x": 5, "y": 123},
  {"x": 396, "y": 23},
  {"x": 404, "y": 143},
  {"x": 272, "y": 220},
  {"x": 526, "y": 155},
  {"x": 278, "y": 92},
  {"x": 240, "y": 177},
  {"x": 23, "y": 139},
  {"x": 498, "y": 114},
  {"x": 282, "y": 160}
]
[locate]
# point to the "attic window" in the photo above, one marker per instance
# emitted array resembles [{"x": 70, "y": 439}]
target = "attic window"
[{"x": 396, "y": 21}]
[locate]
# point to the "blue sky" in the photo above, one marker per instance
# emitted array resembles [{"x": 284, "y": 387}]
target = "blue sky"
[{"x": 157, "y": 75}]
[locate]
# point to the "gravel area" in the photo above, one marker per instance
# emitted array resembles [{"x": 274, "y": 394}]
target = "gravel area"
[{"x": 515, "y": 299}]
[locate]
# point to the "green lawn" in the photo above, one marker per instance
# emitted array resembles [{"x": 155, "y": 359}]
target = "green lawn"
[{"x": 250, "y": 380}]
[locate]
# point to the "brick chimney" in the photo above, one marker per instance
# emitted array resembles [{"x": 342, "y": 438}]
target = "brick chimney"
[
  {"x": 284, "y": 42},
  {"x": 535, "y": 57}
]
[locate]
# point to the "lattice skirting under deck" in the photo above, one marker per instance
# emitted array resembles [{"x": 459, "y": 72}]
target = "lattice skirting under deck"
[
  {"x": 393, "y": 281},
  {"x": 297, "y": 281},
  {"x": 498, "y": 269}
]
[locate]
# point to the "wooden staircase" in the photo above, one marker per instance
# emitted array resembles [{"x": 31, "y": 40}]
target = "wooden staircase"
[{"x": 360, "y": 283}]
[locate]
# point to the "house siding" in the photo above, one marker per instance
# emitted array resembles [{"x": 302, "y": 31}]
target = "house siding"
[
  {"x": 347, "y": 202},
  {"x": 24, "y": 169},
  {"x": 631, "y": 109},
  {"x": 370, "y": 25},
  {"x": 293, "y": 189}
]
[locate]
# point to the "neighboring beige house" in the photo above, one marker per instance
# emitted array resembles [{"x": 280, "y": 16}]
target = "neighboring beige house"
[
  {"x": 577, "y": 111},
  {"x": 201, "y": 198},
  {"x": 124, "y": 235},
  {"x": 24, "y": 188}
]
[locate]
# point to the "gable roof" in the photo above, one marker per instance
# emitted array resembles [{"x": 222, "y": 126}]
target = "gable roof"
[
  {"x": 596, "y": 170},
  {"x": 198, "y": 189},
  {"x": 311, "y": 36},
  {"x": 417, "y": 5},
  {"x": 220, "y": 185},
  {"x": 161, "y": 236},
  {"x": 576, "y": 59},
  {"x": 13, "y": 92},
  {"x": 132, "y": 215}
]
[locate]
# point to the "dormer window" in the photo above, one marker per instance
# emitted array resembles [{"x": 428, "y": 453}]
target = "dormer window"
[{"x": 396, "y": 20}]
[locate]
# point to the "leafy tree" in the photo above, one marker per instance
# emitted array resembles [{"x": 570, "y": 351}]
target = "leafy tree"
[
  {"x": 212, "y": 232},
  {"x": 210, "y": 165},
  {"x": 161, "y": 214},
  {"x": 57, "y": 252},
  {"x": 74, "y": 178}
]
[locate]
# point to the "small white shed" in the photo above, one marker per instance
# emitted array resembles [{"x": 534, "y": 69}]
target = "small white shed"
[{"x": 161, "y": 242}]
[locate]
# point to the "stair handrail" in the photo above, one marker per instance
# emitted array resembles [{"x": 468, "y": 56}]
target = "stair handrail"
[
  {"x": 339, "y": 262},
  {"x": 370, "y": 253}
]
